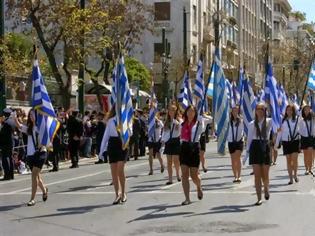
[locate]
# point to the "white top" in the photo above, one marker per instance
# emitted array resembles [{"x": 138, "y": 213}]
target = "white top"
[
  {"x": 238, "y": 131},
  {"x": 288, "y": 124},
  {"x": 167, "y": 132},
  {"x": 304, "y": 125},
  {"x": 158, "y": 131},
  {"x": 252, "y": 135},
  {"x": 30, "y": 144},
  {"x": 207, "y": 120},
  {"x": 201, "y": 121}
]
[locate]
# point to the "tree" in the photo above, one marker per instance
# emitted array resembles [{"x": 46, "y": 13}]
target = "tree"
[
  {"x": 298, "y": 15},
  {"x": 137, "y": 72}
]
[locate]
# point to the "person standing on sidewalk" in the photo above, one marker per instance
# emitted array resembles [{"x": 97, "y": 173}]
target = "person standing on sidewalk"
[
  {"x": 235, "y": 142},
  {"x": 75, "y": 131},
  {"x": 191, "y": 130},
  {"x": 258, "y": 149},
  {"x": 100, "y": 130}
]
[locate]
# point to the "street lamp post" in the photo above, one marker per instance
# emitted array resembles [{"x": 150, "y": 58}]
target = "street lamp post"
[
  {"x": 81, "y": 69},
  {"x": 2, "y": 69},
  {"x": 166, "y": 61}
]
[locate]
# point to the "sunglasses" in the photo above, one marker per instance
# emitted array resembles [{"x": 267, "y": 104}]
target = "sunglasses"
[{"x": 260, "y": 109}]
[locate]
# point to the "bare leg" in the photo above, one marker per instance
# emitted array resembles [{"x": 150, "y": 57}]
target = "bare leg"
[
  {"x": 158, "y": 155},
  {"x": 151, "y": 161},
  {"x": 238, "y": 163},
  {"x": 202, "y": 159},
  {"x": 177, "y": 165},
  {"x": 114, "y": 171},
  {"x": 170, "y": 168},
  {"x": 233, "y": 165},
  {"x": 185, "y": 181},
  {"x": 121, "y": 176},
  {"x": 294, "y": 157},
  {"x": 257, "y": 174},
  {"x": 35, "y": 173},
  {"x": 289, "y": 167},
  {"x": 40, "y": 183},
  {"x": 265, "y": 178}
]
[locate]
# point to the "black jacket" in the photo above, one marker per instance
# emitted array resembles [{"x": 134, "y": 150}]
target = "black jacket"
[
  {"x": 74, "y": 127},
  {"x": 6, "y": 138}
]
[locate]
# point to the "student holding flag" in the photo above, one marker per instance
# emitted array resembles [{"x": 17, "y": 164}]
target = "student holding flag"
[
  {"x": 258, "y": 149},
  {"x": 235, "y": 142}
]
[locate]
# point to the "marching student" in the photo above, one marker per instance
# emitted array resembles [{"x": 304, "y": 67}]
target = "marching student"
[
  {"x": 289, "y": 134},
  {"x": 191, "y": 130},
  {"x": 203, "y": 141},
  {"x": 117, "y": 156},
  {"x": 307, "y": 131},
  {"x": 258, "y": 149},
  {"x": 154, "y": 144},
  {"x": 171, "y": 138},
  {"x": 36, "y": 156},
  {"x": 235, "y": 142}
]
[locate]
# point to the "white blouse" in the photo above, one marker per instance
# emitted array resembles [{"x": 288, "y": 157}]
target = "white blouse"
[
  {"x": 167, "y": 132},
  {"x": 30, "y": 144},
  {"x": 207, "y": 120},
  {"x": 158, "y": 131},
  {"x": 288, "y": 124},
  {"x": 252, "y": 135},
  {"x": 305, "y": 125},
  {"x": 236, "y": 130}
]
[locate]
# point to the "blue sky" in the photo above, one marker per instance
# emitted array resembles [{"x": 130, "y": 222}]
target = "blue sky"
[{"x": 307, "y": 6}]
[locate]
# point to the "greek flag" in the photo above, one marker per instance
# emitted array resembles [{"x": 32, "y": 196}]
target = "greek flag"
[
  {"x": 221, "y": 103},
  {"x": 210, "y": 84},
  {"x": 46, "y": 121},
  {"x": 271, "y": 95},
  {"x": 248, "y": 104},
  {"x": 261, "y": 96},
  {"x": 113, "y": 92},
  {"x": 283, "y": 100},
  {"x": 240, "y": 83},
  {"x": 124, "y": 109},
  {"x": 185, "y": 96},
  {"x": 311, "y": 79},
  {"x": 312, "y": 97},
  {"x": 236, "y": 93},
  {"x": 152, "y": 113},
  {"x": 229, "y": 93},
  {"x": 294, "y": 100},
  {"x": 199, "y": 86}
]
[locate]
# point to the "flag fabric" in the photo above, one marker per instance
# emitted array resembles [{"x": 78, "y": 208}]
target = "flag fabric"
[
  {"x": 124, "y": 109},
  {"x": 46, "y": 119},
  {"x": 312, "y": 97},
  {"x": 185, "y": 96},
  {"x": 283, "y": 100},
  {"x": 152, "y": 113},
  {"x": 261, "y": 96},
  {"x": 248, "y": 104},
  {"x": 114, "y": 92},
  {"x": 199, "y": 87},
  {"x": 294, "y": 100},
  {"x": 271, "y": 95},
  {"x": 221, "y": 103},
  {"x": 236, "y": 93},
  {"x": 210, "y": 84},
  {"x": 240, "y": 83},
  {"x": 311, "y": 79}
]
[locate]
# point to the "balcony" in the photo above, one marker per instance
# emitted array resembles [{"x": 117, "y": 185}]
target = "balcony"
[{"x": 208, "y": 34}]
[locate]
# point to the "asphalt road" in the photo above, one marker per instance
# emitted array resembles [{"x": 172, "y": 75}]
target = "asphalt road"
[{"x": 80, "y": 203}]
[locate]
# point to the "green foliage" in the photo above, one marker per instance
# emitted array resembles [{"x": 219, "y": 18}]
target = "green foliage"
[
  {"x": 138, "y": 72},
  {"x": 299, "y": 15}
]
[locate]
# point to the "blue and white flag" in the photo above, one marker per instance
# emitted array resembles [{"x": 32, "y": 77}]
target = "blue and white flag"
[
  {"x": 240, "y": 83},
  {"x": 261, "y": 96},
  {"x": 46, "y": 120},
  {"x": 210, "y": 84},
  {"x": 114, "y": 86},
  {"x": 199, "y": 87},
  {"x": 294, "y": 100},
  {"x": 152, "y": 113},
  {"x": 124, "y": 109},
  {"x": 248, "y": 104},
  {"x": 185, "y": 96},
  {"x": 236, "y": 93},
  {"x": 271, "y": 95},
  {"x": 311, "y": 79},
  {"x": 312, "y": 97},
  {"x": 282, "y": 99},
  {"x": 221, "y": 103}
]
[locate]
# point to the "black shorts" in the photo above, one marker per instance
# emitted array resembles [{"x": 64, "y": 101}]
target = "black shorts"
[
  {"x": 189, "y": 154},
  {"x": 156, "y": 146},
  {"x": 36, "y": 160},
  {"x": 233, "y": 146},
  {"x": 172, "y": 147},
  {"x": 203, "y": 142},
  {"x": 290, "y": 147},
  {"x": 259, "y": 152},
  {"x": 114, "y": 150},
  {"x": 307, "y": 142}
]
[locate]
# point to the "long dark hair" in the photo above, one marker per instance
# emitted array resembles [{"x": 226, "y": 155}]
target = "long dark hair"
[
  {"x": 30, "y": 124},
  {"x": 167, "y": 124},
  {"x": 293, "y": 111},
  {"x": 263, "y": 132},
  {"x": 306, "y": 117},
  {"x": 238, "y": 118},
  {"x": 186, "y": 111}
]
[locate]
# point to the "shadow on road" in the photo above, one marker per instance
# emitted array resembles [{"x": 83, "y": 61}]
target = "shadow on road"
[
  {"x": 11, "y": 207},
  {"x": 158, "y": 211}
]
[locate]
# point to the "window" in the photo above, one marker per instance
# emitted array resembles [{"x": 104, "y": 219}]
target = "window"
[
  {"x": 277, "y": 7},
  {"x": 162, "y": 11},
  {"x": 204, "y": 19},
  {"x": 158, "y": 51},
  {"x": 276, "y": 25},
  {"x": 195, "y": 14}
]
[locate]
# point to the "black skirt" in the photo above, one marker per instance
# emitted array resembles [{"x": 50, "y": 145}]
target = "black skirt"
[
  {"x": 290, "y": 147},
  {"x": 189, "y": 154},
  {"x": 36, "y": 160},
  {"x": 203, "y": 142},
  {"x": 259, "y": 152},
  {"x": 234, "y": 146},
  {"x": 114, "y": 150},
  {"x": 307, "y": 142},
  {"x": 156, "y": 146},
  {"x": 172, "y": 146}
]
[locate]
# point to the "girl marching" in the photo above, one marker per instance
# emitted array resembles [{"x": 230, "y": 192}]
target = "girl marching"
[
  {"x": 235, "y": 142},
  {"x": 171, "y": 138},
  {"x": 307, "y": 132},
  {"x": 258, "y": 148},
  {"x": 190, "y": 152},
  {"x": 117, "y": 156}
]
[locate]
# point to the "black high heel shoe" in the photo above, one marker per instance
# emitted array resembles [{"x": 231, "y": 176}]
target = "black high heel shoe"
[
  {"x": 45, "y": 195},
  {"x": 117, "y": 200}
]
